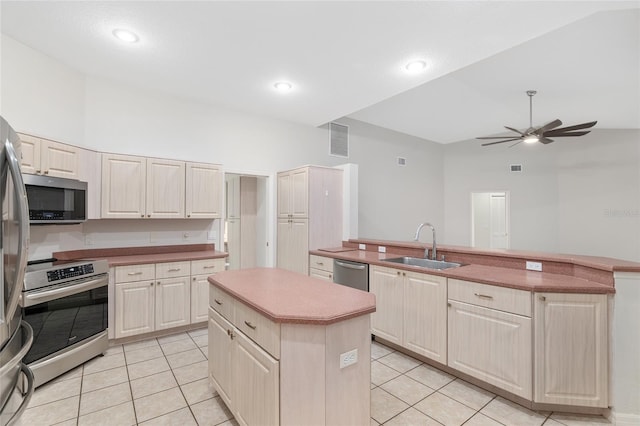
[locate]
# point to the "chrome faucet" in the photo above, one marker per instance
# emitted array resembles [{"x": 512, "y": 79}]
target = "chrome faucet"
[{"x": 426, "y": 250}]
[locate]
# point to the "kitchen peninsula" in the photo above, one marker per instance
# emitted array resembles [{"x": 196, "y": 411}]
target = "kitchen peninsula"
[
  {"x": 289, "y": 349},
  {"x": 560, "y": 337}
]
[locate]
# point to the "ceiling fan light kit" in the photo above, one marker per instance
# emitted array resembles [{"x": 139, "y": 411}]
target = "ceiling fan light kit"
[{"x": 543, "y": 133}]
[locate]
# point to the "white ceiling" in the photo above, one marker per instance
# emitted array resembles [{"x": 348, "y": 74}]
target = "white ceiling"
[{"x": 347, "y": 58}]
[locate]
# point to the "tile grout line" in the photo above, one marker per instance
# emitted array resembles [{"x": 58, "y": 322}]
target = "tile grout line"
[{"x": 133, "y": 404}]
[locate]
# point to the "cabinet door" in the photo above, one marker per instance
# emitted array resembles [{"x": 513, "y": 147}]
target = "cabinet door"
[
  {"x": 30, "y": 154},
  {"x": 299, "y": 197},
  {"x": 319, "y": 273},
  {"x": 165, "y": 188},
  {"x": 233, "y": 196},
  {"x": 234, "y": 242},
  {"x": 425, "y": 315},
  {"x": 221, "y": 355},
  {"x": 284, "y": 194},
  {"x": 134, "y": 308},
  {"x": 293, "y": 245},
  {"x": 203, "y": 191},
  {"x": 173, "y": 302},
  {"x": 123, "y": 186},
  {"x": 491, "y": 345},
  {"x": 256, "y": 384},
  {"x": 58, "y": 159},
  {"x": 387, "y": 285},
  {"x": 199, "y": 298},
  {"x": 571, "y": 364}
]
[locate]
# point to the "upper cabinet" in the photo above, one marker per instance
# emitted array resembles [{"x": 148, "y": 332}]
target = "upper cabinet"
[
  {"x": 46, "y": 157},
  {"x": 293, "y": 193},
  {"x": 203, "y": 191},
  {"x": 137, "y": 187}
]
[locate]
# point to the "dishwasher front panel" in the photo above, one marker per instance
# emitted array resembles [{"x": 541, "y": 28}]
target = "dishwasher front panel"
[{"x": 351, "y": 274}]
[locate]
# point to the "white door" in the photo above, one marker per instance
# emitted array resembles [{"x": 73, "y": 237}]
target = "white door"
[
  {"x": 490, "y": 219},
  {"x": 498, "y": 220}
]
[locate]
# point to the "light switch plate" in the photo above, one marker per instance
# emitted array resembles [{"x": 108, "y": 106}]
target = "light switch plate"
[{"x": 534, "y": 266}]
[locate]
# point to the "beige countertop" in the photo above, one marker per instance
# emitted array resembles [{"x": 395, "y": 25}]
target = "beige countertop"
[
  {"x": 142, "y": 255},
  {"x": 288, "y": 297}
]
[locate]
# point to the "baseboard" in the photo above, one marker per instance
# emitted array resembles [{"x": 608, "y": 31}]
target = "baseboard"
[{"x": 623, "y": 419}]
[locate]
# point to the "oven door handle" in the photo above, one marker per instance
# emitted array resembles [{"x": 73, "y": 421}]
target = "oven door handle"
[{"x": 30, "y": 299}]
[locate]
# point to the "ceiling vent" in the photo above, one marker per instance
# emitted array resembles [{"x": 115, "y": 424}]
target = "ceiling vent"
[
  {"x": 339, "y": 140},
  {"x": 516, "y": 167}
]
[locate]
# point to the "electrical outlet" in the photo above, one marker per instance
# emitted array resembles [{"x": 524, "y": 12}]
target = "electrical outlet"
[
  {"x": 348, "y": 358},
  {"x": 362, "y": 247},
  {"x": 88, "y": 240},
  {"x": 382, "y": 249},
  {"x": 534, "y": 266}
]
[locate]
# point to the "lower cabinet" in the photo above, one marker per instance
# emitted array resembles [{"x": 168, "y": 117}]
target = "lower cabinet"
[
  {"x": 411, "y": 310},
  {"x": 571, "y": 349},
  {"x": 152, "y": 297},
  {"x": 321, "y": 267},
  {"x": 221, "y": 355}
]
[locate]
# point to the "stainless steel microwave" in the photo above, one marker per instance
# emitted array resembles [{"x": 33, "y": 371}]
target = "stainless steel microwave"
[{"x": 55, "y": 200}]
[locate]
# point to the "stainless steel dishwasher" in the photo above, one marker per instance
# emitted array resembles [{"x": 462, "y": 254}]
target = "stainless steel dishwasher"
[{"x": 351, "y": 274}]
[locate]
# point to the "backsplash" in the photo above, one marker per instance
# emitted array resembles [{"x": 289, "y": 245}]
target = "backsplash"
[{"x": 106, "y": 233}]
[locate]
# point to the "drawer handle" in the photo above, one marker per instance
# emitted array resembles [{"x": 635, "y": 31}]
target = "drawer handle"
[
  {"x": 251, "y": 326},
  {"x": 208, "y": 267},
  {"x": 135, "y": 273},
  {"x": 173, "y": 270},
  {"x": 484, "y": 296},
  {"x": 217, "y": 301},
  {"x": 319, "y": 263}
]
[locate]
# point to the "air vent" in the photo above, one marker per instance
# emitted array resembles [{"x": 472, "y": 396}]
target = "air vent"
[
  {"x": 402, "y": 161},
  {"x": 339, "y": 140},
  {"x": 516, "y": 167}
]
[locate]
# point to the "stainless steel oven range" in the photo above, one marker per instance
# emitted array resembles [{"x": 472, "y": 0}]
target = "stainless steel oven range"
[{"x": 66, "y": 305}]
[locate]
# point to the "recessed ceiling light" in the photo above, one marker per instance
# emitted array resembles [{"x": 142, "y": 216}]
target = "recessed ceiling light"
[
  {"x": 415, "y": 66},
  {"x": 125, "y": 35},
  {"x": 283, "y": 86}
]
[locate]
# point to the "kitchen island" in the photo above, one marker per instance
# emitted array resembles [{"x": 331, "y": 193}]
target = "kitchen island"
[{"x": 289, "y": 349}]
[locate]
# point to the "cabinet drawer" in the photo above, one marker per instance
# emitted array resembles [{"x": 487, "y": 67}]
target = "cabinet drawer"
[
  {"x": 319, "y": 273},
  {"x": 173, "y": 269},
  {"x": 320, "y": 262},
  {"x": 207, "y": 266},
  {"x": 130, "y": 273},
  {"x": 221, "y": 302},
  {"x": 258, "y": 328},
  {"x": 494, "y": 297}
]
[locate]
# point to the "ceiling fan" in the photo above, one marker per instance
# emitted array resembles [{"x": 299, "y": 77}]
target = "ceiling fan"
[{"x": 543, "y": 133}]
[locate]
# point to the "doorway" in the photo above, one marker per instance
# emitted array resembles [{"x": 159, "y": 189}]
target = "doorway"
[
  {"x": 490, "y": 220},
  {"x": 245, "y": 225}
]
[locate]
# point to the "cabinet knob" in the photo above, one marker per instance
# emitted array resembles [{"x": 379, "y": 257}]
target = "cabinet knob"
[
  {"x": 542, "y": 298},
  {"x": 38, "y": 171},
  {"x": 448, "y": 304},
  {"x": 46, "y": 172},
  {"x": 141, "y": 215},
  {"x": 404, "y": 274},
  {"x": 398, "y": 272},
  {"x": 217, "y": 301},
  {"x": 195, "y": 279},
  {"x": 148, "y": 215},
  {"x": 151, "y": 283},
  {"x": 158, "y": 282},
  {"x": 188, "y": 215}
]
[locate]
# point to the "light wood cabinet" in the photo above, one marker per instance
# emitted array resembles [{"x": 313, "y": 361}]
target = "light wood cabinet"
[
  {"x": 293, "y": 245},
  {"x": 134, "y": 308},
  {"x": 165, "y": 189},
  {"x": 124, "y": 186},
  {"x": 309, "y": 201},
  {"x": 200, "y": 271},
  {"x": 490, "y": 334},
  {"x": 571, "y": 349},
  {"x": 139, "y": 187},
  {"x": 411, "y": 310},
  {"x": 221, "y": 351},
  {"x": 46, "y": 157},
  {"x": 203, "y": 191},
  {"x": 173, "y": 295},
  {"x": 321, "y": 267}
]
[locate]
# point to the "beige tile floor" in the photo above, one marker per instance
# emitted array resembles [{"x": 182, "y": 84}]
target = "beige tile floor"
[{"x": 164, "y": 381}]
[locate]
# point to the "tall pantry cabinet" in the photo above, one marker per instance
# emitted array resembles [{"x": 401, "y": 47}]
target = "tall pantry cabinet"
[{"x": 309, "y": 214}]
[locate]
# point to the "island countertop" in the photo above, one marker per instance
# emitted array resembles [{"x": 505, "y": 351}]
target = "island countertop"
[{"x": 288, "y": 297}]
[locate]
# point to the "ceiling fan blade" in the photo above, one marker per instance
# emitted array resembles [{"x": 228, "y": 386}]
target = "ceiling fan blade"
[
  {"x": 495, "y": 137},
  {"x": 552, "y": 125},
  {"x": 507, "y": 140},
  {"x": 546, "y": 140},
  {"x": 511, "y": 146},
  {"x": 559, "y": 134},
  {"x": 514, "y": 130},
  {"x": 576, "y": 127}
]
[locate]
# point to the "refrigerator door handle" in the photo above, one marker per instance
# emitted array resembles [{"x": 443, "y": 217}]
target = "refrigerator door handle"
[
  {"x": 23, "y": 226},
  {"x": 26, "y": 396}
]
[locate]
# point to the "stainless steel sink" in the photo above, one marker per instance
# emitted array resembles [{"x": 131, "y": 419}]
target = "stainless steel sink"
[{"x": 423, "y": 263}]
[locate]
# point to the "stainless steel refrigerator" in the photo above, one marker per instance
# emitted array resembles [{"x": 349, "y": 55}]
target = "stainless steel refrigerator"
[{"x": 16, "y": 336}]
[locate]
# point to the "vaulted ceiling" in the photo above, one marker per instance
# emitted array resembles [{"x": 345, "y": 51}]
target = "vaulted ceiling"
[{"x": 348, "y": 58}]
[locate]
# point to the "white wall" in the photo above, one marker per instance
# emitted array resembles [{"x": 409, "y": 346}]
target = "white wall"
[
  {"x": 43, "y": 97},
  {"x": 576, "y": 195}
]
